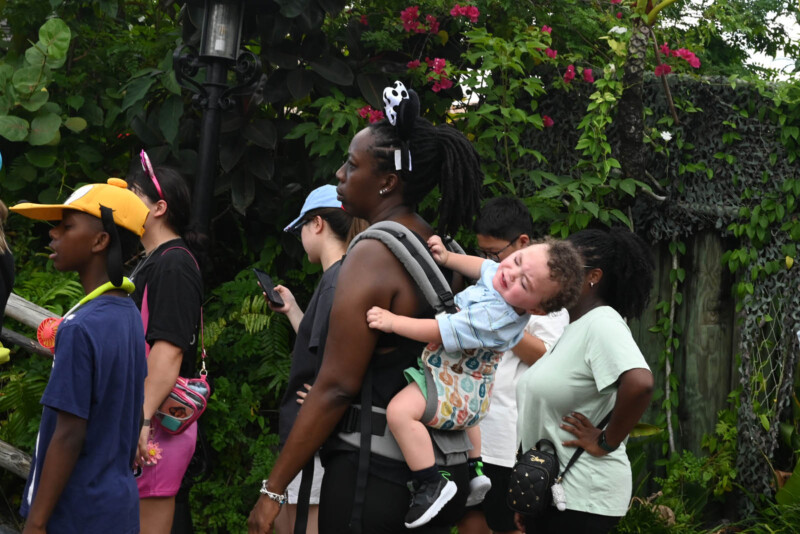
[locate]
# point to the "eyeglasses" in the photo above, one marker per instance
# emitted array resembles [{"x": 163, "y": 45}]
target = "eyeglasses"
[
  {"x": 298, "y": 229},
  {"x": 495, "y": 256},
  {"x": 148, "y": 168}
]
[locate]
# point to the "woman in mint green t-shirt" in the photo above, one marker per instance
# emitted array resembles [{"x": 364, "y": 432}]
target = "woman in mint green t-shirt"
[{"x": 594, "y": 367}]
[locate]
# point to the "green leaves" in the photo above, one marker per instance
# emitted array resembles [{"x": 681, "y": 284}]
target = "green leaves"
[
  {"x": 169, "y": 117},
  {"x": 76, "y": 124},
  {"x": 13, "y": 128},
  {"x": 261, "y": 133},
  {"x": 136, "y": 90},
  {"x": 27, "y": 80},
  {"x": 334, "y": 70},
  {"x": 44, "y": 129},
  {"x": 27, "y": 114},
  {"x": 55, "y": 35},
  {"x": 293, "y": 8}
]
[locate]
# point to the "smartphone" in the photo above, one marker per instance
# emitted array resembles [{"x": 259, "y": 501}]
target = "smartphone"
[{"x": 268, "y": 287}]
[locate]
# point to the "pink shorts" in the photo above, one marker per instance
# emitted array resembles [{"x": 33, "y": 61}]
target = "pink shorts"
[{"x": 164, "y": 478}]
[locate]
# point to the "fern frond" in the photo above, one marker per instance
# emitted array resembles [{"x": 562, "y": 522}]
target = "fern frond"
[
  {"x": 212, "y": 331},
  {"x": 254, "y": 314}
]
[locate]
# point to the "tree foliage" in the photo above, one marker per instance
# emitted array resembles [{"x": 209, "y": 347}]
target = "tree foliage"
[{"x": 85, "y": 84}]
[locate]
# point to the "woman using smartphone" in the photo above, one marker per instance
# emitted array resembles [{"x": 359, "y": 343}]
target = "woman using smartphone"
[{"x": 325, "y": 230}]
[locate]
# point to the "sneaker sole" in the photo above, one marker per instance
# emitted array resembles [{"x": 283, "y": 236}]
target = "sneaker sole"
[
  {"x": 448, "y": 492},
  {"x": 478, "y": 491}
]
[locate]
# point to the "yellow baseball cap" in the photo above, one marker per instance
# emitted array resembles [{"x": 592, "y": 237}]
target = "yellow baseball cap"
[{"x": 129, "y": 211}]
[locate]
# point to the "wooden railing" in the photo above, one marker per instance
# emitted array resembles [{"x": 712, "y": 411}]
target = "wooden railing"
[{"x": 29, "y": 314}]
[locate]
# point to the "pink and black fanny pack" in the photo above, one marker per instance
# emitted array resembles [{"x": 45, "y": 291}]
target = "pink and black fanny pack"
[{"x": 189, "y": 396}]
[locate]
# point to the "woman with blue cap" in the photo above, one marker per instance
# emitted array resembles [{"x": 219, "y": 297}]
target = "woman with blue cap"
[{"x": 325, "y": 230}]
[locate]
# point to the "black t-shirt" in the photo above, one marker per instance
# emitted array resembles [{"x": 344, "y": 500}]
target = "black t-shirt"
[
  {"x": 6, "y": 281},
  {"x": 174, "y": 288},
  {"x": 308, "y": 348}
]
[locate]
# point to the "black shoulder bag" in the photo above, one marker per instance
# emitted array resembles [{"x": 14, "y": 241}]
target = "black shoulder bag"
[{"x": 535, "y": 483}]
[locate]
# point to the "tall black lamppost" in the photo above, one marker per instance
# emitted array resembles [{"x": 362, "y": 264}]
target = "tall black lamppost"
[{"x": 220, "y": 36}]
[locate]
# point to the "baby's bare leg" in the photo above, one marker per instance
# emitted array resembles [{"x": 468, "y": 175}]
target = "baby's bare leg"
[
  {"x": 474, "y": 435},
  {"x": 403, "y": 415}
]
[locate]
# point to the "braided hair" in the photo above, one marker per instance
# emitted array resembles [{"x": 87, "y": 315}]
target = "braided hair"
[
  {"x": 627, "y": 266},
  {"x": 431, "y": 155}
]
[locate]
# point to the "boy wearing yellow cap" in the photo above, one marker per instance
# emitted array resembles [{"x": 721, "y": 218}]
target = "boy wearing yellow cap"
[{"x": 81, "y": 477}]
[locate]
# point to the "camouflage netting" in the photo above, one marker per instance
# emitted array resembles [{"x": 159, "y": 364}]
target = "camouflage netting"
[{"x": 769, "y": 348}]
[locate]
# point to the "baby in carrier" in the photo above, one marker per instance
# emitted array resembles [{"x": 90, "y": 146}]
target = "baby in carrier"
[{"x": 452, "y": 387}]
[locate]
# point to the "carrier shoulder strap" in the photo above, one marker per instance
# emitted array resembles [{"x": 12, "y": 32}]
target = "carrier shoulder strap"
[
  {"x": 410, "y": 249},
  {"x": 417, "y": 260}
]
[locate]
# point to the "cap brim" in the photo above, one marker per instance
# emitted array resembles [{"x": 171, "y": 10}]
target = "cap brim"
[
  {"x": 41, "y": 212},
  {"x": 292, "y": 226}
]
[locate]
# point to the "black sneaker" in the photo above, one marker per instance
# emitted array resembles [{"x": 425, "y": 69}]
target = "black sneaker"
[{"x": 428, "y": 500}]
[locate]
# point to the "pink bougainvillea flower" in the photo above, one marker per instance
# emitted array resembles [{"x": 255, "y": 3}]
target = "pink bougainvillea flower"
[
  {"x": 465, "y": 11},
  {"x": 373, "y": 115},
  {"x": 551, "y": 53},
  {"x": 438, "y": 64},
  {"x": 413, "y": 64},
  {"x": 473, "y": 13},
  {"x": 663, "y": 69},
  {"x": 410, "y": 16},
  {"x": 364, "y": 20},
  {"x": 433, "y": 24},
  {"x": 547, "y": 121},
  {"x": 616, "y": 1},
  {"x": 664, "y": 48},
  {"x": 688, "y": 56},
  {"x": 442, "y": 84},
  {"x": 587, "y": 76},
  {"x": 376, "y": 115},
  {"x": 153, "y": 450},
  {"x": 365, "y": 111},
  {"x": 546, "y": 29},
  {"x": 569, "y": 75},
  {"x": 619, "y": 14}
]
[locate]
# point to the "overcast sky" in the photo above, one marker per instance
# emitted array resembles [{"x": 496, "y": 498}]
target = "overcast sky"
[{"x": 780, "y": 62}]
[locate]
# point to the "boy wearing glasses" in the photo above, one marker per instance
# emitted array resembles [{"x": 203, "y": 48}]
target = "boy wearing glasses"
[{"x": 504, "y": 226}]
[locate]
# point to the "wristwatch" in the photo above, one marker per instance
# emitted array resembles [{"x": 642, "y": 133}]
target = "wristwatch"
[
  {"x": 601, "y": 441},
  {"x": 145, "y": 422},
  {"x": 279, "y": 498}
]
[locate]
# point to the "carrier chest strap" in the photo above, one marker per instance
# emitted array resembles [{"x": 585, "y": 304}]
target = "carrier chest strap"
[{"x": 416, "y": 259}]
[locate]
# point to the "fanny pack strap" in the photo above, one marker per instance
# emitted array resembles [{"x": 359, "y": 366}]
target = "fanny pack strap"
[{"x": 203, "y": 370}]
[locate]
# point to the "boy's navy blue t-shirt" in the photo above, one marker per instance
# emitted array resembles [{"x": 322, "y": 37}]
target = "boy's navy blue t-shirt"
[{"x": 98, "y": 375}]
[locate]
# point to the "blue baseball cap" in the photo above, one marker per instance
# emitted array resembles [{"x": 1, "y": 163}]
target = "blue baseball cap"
[{"x": 321, "y": 197}]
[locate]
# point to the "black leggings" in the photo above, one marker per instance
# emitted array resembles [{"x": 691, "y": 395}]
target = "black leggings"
[
  {"x": 386, "y": 503},
  {"x": 571, "y": 521}
]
